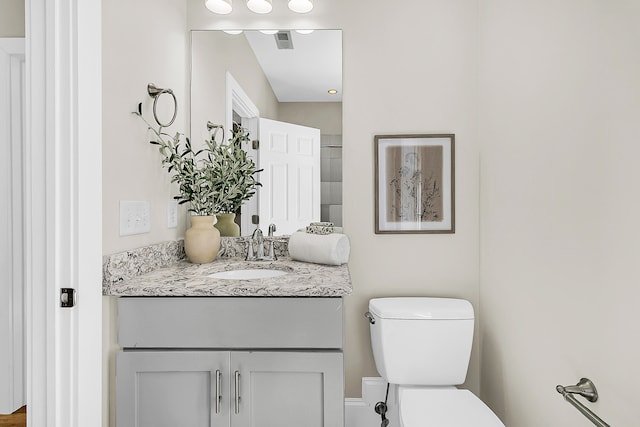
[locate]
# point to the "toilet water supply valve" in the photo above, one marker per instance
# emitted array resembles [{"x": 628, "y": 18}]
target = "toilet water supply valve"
[{"x": 381, "y": 408}]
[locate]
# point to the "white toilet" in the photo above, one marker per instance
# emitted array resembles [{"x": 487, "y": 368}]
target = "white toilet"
[{"x": 423, "y": 345}]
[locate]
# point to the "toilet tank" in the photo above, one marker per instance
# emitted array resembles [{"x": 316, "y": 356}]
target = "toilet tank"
[{"x": 421, "y": 341}]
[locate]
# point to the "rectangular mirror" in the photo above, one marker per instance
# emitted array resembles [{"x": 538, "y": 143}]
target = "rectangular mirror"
[{"x": 280, "y": 86}]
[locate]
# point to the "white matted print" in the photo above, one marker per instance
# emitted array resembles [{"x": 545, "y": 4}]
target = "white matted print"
[{"x": 414, "y": 183}]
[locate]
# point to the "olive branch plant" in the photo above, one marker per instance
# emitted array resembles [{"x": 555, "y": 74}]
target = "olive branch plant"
[{"x": 218, "y": 178}]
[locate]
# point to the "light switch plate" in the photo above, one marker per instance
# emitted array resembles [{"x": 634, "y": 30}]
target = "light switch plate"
[
  {"x": 135, "y": 217},
  {"x": 172, "y": 214}
]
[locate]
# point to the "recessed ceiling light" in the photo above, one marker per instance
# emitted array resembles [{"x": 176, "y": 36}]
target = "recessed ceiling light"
[
  {"x": 233, "y": 32},
  {"x": 259, "y": 6},
  {"x": 304, "y": 31},
  {"x": 332, "y": 91},
  {"x": 222, "y": 7},
  {"x": 301, "y": 6},
  {"x": 269, "y": 32}
]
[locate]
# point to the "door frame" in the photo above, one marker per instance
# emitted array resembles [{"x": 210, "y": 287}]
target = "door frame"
[
  {"x": 63, "y": 212},
  {"x": 237, "y": 100}
]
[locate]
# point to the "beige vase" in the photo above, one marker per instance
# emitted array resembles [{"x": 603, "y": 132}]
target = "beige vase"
[
  {"x": 226, "y": 225},
  {"x": 202, "y": 240}
]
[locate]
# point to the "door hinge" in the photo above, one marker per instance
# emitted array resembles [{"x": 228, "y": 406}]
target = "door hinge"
[
  {"x": 255, "y": 144},
  {"x": 67, "y": 297}
]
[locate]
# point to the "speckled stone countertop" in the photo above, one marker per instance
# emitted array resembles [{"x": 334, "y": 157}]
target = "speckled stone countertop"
[{"x": 182, "y": 278}]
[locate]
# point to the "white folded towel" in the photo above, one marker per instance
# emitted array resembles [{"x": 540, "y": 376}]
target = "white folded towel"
[{"x": 330, "y": 249}]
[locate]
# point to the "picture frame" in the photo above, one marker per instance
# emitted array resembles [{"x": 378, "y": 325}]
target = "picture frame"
[{"x": 415, "y": 183}]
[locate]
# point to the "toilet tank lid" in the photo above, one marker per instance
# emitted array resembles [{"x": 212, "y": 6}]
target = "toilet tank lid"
[{"x": 421, "y": 308}]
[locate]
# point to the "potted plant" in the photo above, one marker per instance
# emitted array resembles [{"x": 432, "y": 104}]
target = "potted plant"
[
  {"x": 232, "y": 177},
  {"x": 214, "y": 181},
  {"x": 192, "y": 172}
]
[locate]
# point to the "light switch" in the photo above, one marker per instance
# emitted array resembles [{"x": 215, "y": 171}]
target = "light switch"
[
  {"x": 135, "y": 217},
  {"x": 172, "y": 214}
]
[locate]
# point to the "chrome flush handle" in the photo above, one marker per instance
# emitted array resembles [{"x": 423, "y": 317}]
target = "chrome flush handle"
[{"x": 370, "y": 317}]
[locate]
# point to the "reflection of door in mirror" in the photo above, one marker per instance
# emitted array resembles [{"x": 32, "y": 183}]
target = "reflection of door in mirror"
[
  {"x": 289, "y": 155},
  {"x": 274, "y": 88}
]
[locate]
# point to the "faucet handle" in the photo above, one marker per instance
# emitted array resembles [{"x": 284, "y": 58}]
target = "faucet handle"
[
  {"x": 272, "y": 229},
  {"x": 257, "y": 234},
  {"x": 272, "y": 253},
  {"x": 250, "y": 254}
]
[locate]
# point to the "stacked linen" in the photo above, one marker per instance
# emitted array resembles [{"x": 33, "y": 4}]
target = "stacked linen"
[{"x": 320, "y": 244}]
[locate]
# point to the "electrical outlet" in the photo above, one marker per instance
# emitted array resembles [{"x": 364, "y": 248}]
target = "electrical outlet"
[
  {"x": 135, "y": 218},
  {"x": 172, "y": 214}
]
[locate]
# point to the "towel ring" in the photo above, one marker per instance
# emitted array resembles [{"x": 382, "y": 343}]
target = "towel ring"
[{"x": 155, "y": 93}]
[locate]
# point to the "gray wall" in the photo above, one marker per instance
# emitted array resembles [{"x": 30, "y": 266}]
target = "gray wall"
[{"x": 12, "y": 18}]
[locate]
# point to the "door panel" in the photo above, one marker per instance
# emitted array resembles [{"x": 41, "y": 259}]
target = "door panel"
[
  {"x": 168, "y": 389},
  {"x": 287, "y": 398},
  {"x": 12, "y": 387},
  {"x": 290, "y": 157},
  {"x": 288, "y": 389}
]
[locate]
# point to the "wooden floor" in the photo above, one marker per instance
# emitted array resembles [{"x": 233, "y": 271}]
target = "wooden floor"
[{"x": 17, "y": 419}]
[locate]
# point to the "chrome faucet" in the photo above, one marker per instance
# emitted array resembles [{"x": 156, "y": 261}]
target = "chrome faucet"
[{"x": 257, "y": 253}]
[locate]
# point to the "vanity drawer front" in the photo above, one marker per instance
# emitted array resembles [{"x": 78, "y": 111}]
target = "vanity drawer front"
[{"x": 227, "y": 322}]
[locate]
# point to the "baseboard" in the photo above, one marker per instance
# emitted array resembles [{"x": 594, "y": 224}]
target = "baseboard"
[{"x": 360, "y": 412}]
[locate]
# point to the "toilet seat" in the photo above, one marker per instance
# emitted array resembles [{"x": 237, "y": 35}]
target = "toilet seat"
[{"x": 443, "y": 407}]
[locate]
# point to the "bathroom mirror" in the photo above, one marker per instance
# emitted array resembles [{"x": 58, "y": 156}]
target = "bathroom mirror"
[{"x": 284, "y": 77}]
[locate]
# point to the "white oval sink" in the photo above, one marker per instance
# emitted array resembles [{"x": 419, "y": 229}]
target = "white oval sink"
[{"x": 249, "y": 274}]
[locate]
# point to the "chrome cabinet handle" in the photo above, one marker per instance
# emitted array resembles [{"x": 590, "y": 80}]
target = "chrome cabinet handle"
[
  {"x": 237, "y": 374},
  {"x": 218, "y": 390}
]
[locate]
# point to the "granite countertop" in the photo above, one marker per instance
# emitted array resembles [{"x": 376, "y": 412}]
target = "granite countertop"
[{"x": 183, "y": 278}]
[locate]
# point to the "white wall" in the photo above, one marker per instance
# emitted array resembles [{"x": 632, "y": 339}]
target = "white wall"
[
  {"x": 560, "y": 129},
  {"x": 326, "y": 116},
  {"x": 214, "y": 54},
  {"x": 547, "y": 92},
  {"x": 403, "y": 73},
  {"x": 140, "y": 47},
  {"x": 143, "y": 42},
  {"x": 410, "y": 69}
]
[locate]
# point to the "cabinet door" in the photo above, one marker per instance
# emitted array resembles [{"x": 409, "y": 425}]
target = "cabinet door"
[
  {"x": 172, "y": 388},
  {"x": 287, "y": 389}
]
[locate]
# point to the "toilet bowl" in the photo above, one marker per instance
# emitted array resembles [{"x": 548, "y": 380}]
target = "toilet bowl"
[
  {"x": 423, "y": 345},
  {"x": 443, "y": 407}
]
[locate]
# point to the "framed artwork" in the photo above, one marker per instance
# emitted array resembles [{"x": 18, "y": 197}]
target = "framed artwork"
[{"x": 415, "y": 183}]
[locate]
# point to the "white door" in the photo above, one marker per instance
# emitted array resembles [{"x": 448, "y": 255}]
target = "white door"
[
  {"x": 290, "y": 158},
  {"x": 63, "y": 212},
  {"x": 250, "y": 207},
  {"x": 12, "y": 395}
]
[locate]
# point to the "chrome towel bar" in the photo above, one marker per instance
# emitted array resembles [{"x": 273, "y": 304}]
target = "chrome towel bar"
[{"x": 586, "y": 389}]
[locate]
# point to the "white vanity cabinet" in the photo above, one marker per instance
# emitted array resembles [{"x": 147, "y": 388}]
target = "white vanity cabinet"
[{"x": 239, "y": 362}]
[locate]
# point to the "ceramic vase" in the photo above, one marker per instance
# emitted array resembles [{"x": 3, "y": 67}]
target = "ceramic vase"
[
  {"x": 202, "y": 240},
  {"x": 226, "y": 225}
]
